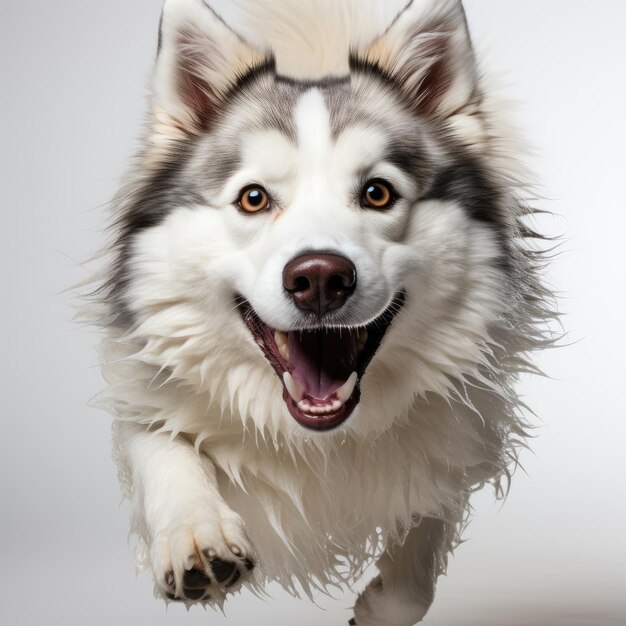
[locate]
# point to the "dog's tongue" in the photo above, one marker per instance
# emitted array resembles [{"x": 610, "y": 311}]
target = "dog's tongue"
[{"x": 322, "y": 361}]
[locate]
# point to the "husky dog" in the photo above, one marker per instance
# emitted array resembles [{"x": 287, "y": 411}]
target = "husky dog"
[{"x": 320, "y": 295}]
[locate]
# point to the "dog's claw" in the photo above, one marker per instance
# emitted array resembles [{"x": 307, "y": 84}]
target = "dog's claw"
[
  {"x": 169, "y": 580},
  {"x": 234, "y": 579}
]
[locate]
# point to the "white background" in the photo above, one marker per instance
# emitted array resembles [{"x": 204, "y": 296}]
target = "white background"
[{"x": 72, "y": 79}]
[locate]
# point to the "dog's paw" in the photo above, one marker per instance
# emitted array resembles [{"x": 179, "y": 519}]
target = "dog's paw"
[
  {"x": 202, "y": 556},
  {"x": 382, "y": 606}
]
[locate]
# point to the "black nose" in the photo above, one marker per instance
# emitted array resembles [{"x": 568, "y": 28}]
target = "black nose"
[{"x": 320, "y": 282}]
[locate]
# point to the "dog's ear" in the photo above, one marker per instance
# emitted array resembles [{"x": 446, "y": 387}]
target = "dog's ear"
[
  {"x": 427, "y": 49},
  {"x": 199, "y": 59}
]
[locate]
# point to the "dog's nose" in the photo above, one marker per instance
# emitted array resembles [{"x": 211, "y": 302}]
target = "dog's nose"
[{"x": 320, "y": 282}]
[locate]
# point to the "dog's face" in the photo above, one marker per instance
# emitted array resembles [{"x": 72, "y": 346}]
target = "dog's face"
[{"x": 313, "y": 251}]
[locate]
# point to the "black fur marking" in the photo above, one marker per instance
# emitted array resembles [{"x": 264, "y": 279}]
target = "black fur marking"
[
  {"x": 259, "y": 83},
  {"x": 321, "y": 83},
  {"x": 222, "y": 167},
  {"x": 467, "y": 183},
  {"x": 372, "y": 68},
  {"x": 160, "y": 35},
  {"x": 157, "y": 197},
  {"x": 151, "y": 204},
  {"x": 349, "y": 104},
  {"x": 409, "y": 159},
  {"x": 249, "y": 76}
]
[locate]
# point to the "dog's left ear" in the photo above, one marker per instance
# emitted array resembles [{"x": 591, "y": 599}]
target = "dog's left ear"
[
  {"x": 199, "y": 59},
  {"x": 427, "y": 49}
]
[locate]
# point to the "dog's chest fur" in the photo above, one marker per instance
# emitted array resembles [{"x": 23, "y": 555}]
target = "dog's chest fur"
[{"x": 316, "y": 512}]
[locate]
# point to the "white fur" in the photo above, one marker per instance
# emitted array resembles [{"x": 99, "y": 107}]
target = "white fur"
[
  {"x": 202, "y": 430},
  {"x": 297, "y": 28}
]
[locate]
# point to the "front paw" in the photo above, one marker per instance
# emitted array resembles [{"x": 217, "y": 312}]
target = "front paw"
[
  {"x": 201, "y": 556},
  {"x": 380, "y": 605}
]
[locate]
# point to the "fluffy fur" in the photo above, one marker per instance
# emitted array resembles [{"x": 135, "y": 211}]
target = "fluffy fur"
[{"x": 211, "y": 459}]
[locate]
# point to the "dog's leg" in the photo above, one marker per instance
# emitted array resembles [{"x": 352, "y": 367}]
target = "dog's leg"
[
  {"x": 405, "y": 589},
  {"x": 198, "y": 546}
]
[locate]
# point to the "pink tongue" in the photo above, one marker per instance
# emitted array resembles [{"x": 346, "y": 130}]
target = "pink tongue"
[{"x": 322, "y": 361}]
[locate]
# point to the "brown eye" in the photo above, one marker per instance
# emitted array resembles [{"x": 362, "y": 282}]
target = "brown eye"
[
  {"x": 254, "y": 199},
  {"x": 378, "y": 194}
]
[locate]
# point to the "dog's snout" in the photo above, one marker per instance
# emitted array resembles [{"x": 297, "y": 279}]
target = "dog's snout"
[{"x": 320, "y": 282}]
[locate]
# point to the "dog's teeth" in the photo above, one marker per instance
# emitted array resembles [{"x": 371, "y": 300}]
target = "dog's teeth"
[
  {"x": 304, "y": 406},
  {"x": 281, "y": 342},
  {"x": 362, "y": 340},
  {"x": 345, "y": 391},
  {"x": 292, "y": 387},
  {"x": 319, "y": 409}
]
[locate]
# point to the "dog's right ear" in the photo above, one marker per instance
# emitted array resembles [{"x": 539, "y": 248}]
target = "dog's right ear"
[{"x": 199, "y": 59}]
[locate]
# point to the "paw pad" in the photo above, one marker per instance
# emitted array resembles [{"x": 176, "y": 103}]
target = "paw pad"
[
  {"x": 215, "y": 576},
  {"x": 223, "y": 570}
]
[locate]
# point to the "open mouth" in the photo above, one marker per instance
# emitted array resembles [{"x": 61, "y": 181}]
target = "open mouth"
[{"x": 321, "y": 369}]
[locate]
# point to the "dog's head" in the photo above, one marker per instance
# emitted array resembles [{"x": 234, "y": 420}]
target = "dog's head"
[{"x": 309, "y": 251}]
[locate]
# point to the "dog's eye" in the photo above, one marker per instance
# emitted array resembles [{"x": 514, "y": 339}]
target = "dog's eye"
[
  {"x": 254, "y": 199},
  {"x": 378, "y": 194}
]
